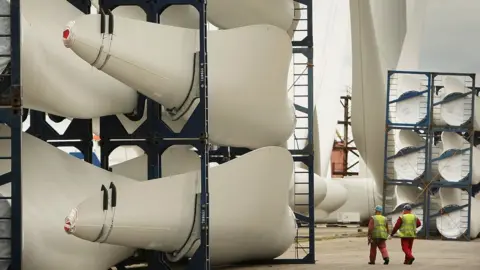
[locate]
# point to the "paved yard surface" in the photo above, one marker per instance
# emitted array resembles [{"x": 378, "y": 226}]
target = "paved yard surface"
[
  {"x": 346, "y": 249},
  {"x": 352, "y": 253}
]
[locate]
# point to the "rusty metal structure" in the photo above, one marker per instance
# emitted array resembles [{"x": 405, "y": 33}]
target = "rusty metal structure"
[{"x": 345, "y": 156}]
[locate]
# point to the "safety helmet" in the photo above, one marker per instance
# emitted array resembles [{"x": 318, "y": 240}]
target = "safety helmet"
[
  {"x": 378, "y": 208},
  {"x": 407, "y": 207}
]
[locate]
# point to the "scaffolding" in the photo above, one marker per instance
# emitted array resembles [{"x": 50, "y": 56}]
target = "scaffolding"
[
  {"x": 346, "y": 145},
  {"x": 416, "y": 158}
]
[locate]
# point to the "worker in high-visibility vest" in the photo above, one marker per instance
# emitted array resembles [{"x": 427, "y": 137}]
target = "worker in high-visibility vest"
[
  {"x": 407, "y": 225},
  {"x": 377, "y": 235}
]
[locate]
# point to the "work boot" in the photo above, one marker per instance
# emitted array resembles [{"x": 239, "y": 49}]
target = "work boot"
[{"x": 386, "y": 260}]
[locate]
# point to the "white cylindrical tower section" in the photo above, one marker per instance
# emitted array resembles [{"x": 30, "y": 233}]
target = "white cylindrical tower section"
[
  {"x": 335, "y": 198},
  {"x": 360, "y": 200}
]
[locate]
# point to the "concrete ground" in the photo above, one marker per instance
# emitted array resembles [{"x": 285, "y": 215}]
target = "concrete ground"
[{"x": 351, "y": 252}]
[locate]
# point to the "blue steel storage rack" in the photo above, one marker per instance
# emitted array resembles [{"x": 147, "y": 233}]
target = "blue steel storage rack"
[
  {"x": 429, "y": 126},
  {"x": 154, "y": 137},
  {"x": 11, "y": 114},
  {"x": 116, "y": 135}
]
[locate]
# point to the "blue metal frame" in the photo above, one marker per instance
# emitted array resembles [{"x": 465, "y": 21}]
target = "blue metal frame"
[
  {"x": 11, "y": 114},
  {"x": 306, "y": 156},
  {"x": 82, "y": 5},
  {"x": 309, "y": 151},
  {"x": 430, "y": 129},
  {"x": 423, "y": 124},
  {"x": 155, "y": 136},
  {"x": 78, "y": 134},
  {"x": 465, "y": 184}
]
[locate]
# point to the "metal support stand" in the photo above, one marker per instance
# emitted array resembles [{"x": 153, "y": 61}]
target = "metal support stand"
[
  {"x": 154, "y": 137},
  {"x": 11, "y": 108},
  {"x": 429, "y": 126},
  {"x": 303, "y": 95}
]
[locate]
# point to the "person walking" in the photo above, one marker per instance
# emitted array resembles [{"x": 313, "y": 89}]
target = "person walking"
[
  {"x": 407, "y": 225},
  {"x": 377, "y": 236}
]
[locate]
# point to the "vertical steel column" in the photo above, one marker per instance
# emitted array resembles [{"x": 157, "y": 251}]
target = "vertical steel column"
[
  {"x": 306, "y": 155},
  {"x": 311, "y": 103},
  {"x": 201, "y": 259},
  {"x": 345, "y": 135},
  {"x": 471, "y": 132},
  {"x": 16, "y": 137},
  {"x": 428, "y": 157},
  {"x": 158, "y": 137}
]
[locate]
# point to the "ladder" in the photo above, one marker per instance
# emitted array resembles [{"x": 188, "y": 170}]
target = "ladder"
[
  {"x": 301, "y": 92},
  {"x": 300, "y": 86}
]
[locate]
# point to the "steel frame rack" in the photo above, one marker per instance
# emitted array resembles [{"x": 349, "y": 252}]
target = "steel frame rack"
[
  {"x": 11, "y": 114},
  {"x": 302, "y": 45},
  {"x": 154, "y": 137},
  {"x": 429, "y": 128}
]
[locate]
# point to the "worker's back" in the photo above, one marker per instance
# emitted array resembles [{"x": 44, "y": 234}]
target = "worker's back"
[
  {"x": 409, "y": 226},
  {"x": 380, "y": 227}
]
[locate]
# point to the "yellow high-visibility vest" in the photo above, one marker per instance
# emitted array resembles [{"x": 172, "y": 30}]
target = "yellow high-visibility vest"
[
  {"x": 409, "y": 226},
  {"x": 380, "y": 227}
]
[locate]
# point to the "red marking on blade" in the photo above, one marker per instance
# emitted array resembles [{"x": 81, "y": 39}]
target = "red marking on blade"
[{"x": 66, "y": 33}]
